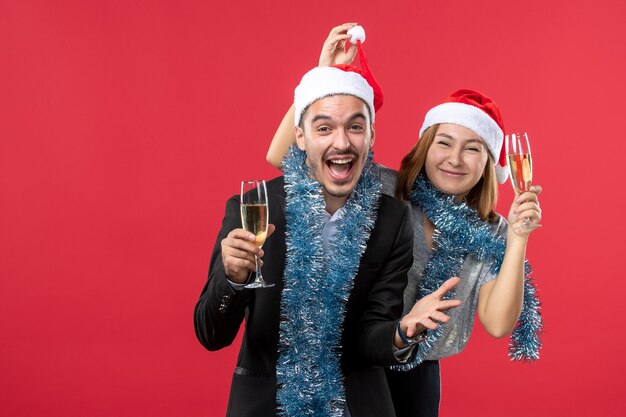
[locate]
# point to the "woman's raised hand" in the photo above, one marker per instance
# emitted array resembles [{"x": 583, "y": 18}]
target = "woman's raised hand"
[
  {"x": 430, "y": 310},
  {"x": 333, "y": 50},
  {"x": 525, "y": 213}
]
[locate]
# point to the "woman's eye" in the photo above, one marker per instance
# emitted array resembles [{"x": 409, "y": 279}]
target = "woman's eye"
[
  {"x": 473, "y": 149},
  {"x": 443, "y": 143}
]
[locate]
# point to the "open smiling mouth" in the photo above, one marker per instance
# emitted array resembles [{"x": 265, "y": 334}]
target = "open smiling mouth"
[{"x": 340, "y": 168}]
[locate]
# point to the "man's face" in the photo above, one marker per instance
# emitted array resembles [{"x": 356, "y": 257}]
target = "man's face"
[{"x": 336, "y": 135}]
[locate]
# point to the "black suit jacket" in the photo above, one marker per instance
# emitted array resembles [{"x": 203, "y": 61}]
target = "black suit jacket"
[{"x": 372, "y": 311}]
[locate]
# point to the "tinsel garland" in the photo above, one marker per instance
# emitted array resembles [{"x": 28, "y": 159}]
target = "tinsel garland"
[
  {"x": 316, "y": 289},
  {"x": 459, "y": 231}
]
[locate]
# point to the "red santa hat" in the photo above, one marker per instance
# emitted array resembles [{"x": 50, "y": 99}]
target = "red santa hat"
[
  {"x": 480, "y": 114},
  {"x": 322, "y": 82}
]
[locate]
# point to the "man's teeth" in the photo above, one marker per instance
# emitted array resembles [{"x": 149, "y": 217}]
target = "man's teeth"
[{"x": 341, "y": 161}]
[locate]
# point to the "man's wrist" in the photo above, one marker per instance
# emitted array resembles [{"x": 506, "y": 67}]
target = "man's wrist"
[{"x": 239, "y": 285}]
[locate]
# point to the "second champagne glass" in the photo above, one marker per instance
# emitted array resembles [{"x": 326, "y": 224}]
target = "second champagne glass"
[
  {"x": 520, "y": 166},
  {"x": 254, "y": 219}
]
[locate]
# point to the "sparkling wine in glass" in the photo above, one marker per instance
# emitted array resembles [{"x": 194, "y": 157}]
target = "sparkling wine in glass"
[
  {"x": 520, "y": 166},
  {"x": 254, "y": 218}
]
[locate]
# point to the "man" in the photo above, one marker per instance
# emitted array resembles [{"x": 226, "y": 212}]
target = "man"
[{"x": 315, "y": 343}]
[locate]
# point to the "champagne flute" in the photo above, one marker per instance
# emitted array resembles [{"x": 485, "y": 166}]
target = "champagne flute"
[
  {"x": 520, "y": 167},
  {"x": 254, "y": 218}
]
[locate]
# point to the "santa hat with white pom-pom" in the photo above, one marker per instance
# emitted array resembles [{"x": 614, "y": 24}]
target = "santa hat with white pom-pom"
[
  {"x": 478, "y": 113},
  {"x": 340, "y": 79}
]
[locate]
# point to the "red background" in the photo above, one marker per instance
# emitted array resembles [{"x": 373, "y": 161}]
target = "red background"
[{"x": 125, "y": 125}]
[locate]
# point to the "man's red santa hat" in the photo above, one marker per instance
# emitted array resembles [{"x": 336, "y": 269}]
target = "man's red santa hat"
[{"x": 322, "y": 82}]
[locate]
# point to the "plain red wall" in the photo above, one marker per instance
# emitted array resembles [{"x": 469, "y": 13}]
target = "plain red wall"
[{"x": 125, "y": 125}]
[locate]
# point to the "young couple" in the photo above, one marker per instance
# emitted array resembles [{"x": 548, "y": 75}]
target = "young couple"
[{"x": 330, "y": 338}]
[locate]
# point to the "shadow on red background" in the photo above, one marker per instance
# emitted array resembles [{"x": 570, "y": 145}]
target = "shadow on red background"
[{"x": 124, "y": 126}]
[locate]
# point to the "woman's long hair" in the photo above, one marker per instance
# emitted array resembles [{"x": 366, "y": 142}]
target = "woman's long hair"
[{"x": 482, "y": 197}]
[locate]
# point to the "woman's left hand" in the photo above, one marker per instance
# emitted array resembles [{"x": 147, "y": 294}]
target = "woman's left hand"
[
  {"x": 525, "y": 209},
  {"x": 333, "y": 50}
]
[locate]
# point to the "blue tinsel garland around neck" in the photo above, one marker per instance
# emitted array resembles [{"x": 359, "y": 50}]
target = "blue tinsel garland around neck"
[
  {"x": 316, "y": 288},
  {"x": 459, "y": 231}
]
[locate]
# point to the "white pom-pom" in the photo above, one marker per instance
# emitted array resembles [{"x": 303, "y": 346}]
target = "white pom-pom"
[
  {"x": 357, "y": 33},
  {"x": 502, "y": 173}
]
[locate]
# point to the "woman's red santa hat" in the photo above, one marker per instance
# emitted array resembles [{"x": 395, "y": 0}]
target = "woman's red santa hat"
[{"x": 480, "y": 114}]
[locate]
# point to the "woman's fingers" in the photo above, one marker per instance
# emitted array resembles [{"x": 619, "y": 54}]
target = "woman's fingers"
[
  {"x": 536, "y": 189},
  {"x": 445, "y": 305},
  {"x": 333, "y": 50},
  {"x": 343, "y": 28},
  {"x": 446, "y": 287}
]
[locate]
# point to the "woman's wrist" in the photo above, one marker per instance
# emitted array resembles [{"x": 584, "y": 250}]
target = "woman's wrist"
[
  {"x": 513, "y": 238},
  {"x": 408, "y": 341}
]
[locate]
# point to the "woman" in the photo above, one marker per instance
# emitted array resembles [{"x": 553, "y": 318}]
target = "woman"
[
  {"x": 452, "y": 163},
  {"x": 450, "y": 178}
]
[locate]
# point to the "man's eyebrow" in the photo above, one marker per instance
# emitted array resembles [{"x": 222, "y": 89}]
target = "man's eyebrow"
[
  {"x": 358, "y": 115},
  {"x": 320, "y": 117}
]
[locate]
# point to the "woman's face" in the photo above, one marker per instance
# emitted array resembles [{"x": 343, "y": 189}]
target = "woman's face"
[{"x": 456, "y": 160}]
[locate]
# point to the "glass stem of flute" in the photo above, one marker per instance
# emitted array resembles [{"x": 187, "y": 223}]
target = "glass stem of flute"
[{"x": 258, "y": 268}]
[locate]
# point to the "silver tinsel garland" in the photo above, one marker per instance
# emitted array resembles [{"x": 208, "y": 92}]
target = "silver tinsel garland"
[
  {"x": 459, "y": 231},
  {"x": 317, "y": 287}
]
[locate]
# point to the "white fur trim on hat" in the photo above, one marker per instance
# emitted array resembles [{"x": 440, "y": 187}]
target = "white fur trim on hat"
[
  {"x": 475, "y": 120},
  {"x": 322, "y": 82}
]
